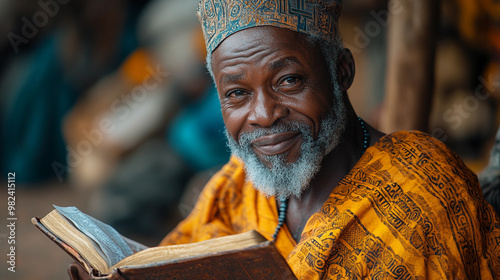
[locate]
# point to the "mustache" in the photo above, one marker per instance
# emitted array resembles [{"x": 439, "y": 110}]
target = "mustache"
[{"x": 246, "y": 138}]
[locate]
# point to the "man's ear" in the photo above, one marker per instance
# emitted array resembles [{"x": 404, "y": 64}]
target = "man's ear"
[{"x": 345, "y": 69}]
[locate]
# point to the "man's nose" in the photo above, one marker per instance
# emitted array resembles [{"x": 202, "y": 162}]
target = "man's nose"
[{"x": 266, "y": 109}]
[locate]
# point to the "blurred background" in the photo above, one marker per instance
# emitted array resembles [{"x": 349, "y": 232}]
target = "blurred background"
[{"x": 107, "y": 105}]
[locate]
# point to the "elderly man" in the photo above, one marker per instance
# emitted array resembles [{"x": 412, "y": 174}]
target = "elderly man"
[{"x": 340, "y": 199}]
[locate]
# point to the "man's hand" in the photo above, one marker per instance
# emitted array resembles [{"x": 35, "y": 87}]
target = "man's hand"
[{"x": 77, "y": 272}]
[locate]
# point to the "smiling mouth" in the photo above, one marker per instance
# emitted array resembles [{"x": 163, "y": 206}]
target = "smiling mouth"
[{"x": 275, "y": 144}]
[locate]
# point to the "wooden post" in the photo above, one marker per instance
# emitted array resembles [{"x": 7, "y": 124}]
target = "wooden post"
[{"x": 410, "y": 68}]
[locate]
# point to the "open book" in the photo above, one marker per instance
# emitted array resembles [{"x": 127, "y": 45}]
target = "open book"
[{"x": 106, "y": 254}]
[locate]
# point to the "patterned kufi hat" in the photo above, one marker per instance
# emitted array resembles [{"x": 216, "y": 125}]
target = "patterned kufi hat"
[{"x": 221, "y": 18}]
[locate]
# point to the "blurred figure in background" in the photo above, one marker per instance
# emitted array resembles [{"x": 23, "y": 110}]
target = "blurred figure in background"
[
  {"x": 58, "y": 49},
  {"x": 468, "y": 78},
  {"x": 480, "y": 26}
]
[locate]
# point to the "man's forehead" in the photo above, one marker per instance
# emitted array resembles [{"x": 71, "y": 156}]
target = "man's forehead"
[
  {"x": 261, "y": 36},
  {"x": 270, "y": 47}
]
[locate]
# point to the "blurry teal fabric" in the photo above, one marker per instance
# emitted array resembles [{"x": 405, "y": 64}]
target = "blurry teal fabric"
[
  {"x": 197, "y": 133},
  {"x": 32, "y": 136}
]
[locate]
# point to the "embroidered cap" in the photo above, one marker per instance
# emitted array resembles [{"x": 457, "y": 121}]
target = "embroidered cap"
[{"x": 221, "y": 18}]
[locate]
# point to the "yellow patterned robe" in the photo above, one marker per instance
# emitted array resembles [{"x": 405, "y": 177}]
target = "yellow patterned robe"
[{"x": 409, "y": 209}]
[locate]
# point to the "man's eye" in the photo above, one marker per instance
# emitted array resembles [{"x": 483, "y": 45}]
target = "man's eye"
[
  {"x": 235, "y": 93},
  {"x": 290, "y": 81}
]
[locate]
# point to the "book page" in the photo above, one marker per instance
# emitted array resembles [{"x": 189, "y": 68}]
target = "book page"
[
  {"x": 109, "y": 240},
  {"x": 164, "y": 253}
]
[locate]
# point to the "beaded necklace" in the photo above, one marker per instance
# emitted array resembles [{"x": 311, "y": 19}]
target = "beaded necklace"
[{"x": 284, "y": 201}]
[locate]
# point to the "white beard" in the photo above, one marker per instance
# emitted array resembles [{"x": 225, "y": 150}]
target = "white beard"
[{"x": 285, "y": 179}]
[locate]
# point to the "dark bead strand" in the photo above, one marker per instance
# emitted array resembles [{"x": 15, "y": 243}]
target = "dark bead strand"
[
  {"x": 366, "y": 135},
  {"x": 282, "y": 217},
  {"x": 284, "y": 201}
]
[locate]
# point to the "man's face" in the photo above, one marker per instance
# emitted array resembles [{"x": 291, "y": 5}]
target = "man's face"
[{"x": 276, "y": 98}]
